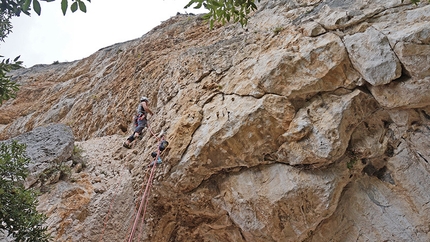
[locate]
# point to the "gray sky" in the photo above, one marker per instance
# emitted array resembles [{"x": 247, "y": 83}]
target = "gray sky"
[{"x": 54, "y": 37}]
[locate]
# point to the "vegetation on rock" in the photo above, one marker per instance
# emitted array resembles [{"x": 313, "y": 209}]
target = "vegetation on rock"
[{"x": 18, "y": 214}]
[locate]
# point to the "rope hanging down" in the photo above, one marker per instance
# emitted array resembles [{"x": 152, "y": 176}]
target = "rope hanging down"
[
  {"x": 130, "y": 221},
  {"x": 145, "y": 197},
  {"x": 147, "y": 184}
]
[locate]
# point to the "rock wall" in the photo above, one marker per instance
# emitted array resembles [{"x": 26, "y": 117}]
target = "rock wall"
[{"x": 310, "y": 124}]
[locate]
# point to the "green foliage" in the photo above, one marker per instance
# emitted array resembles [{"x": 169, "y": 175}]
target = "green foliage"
[
  {"x": 350, "y": 164},
  {"x": 63, "y": 171},
  {"x": 414, "y": 1},
  {"x": 12, "y": 8},
  {"x": 8, "y": 88},
  {"x": 77, "y": 156},
  {"x": 77, "y": 151},
  {"x": 9, "y": 9},
  {"x": 277, "y": 30},
  {"x": 5, "y": 26},
  {"x": 74, "y": 6},
  {"x": 18, "y": 214},
  {"x": 15, "y": 7},
  {"x": 225, "y": 10}
]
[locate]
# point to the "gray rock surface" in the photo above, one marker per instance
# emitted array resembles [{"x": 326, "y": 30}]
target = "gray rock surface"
[
  {"x": 372, "y": 55},
  {"x": 47, "y": 147}
]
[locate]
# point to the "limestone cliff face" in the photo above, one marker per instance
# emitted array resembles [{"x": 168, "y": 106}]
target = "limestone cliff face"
[{"x": 310, "y": 124}]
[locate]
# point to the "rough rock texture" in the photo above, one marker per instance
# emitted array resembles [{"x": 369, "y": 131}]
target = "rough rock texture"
[
  {"x": 312, "y": 124},
  {"x": 47, "y": 147},
  {"x": 372, "y": 56},
  {"x": 82, "y": 202}
]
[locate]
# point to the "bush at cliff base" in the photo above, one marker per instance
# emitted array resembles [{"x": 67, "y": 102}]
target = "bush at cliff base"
[{"x": 18, "y": 215}]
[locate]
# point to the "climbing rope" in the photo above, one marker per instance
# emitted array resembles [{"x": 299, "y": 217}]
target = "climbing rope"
[
  {"x": 142, "y": 203},
  {"x": 140, "y": 192},
  {"x": 145, "y": 197},
  {"x": 145, "y": 206}
]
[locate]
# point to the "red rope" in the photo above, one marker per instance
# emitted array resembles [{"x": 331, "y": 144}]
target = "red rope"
[
  {"x": 145, "y": 197},
  {"x": 141, "y": 205},
  {"x": 146, "y": 204},
  {"x": 147, "y": 200},
  {"x": 140, "y": 192}
]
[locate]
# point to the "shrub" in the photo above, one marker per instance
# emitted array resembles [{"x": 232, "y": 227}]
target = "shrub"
[{"x": 18, "y": 214}]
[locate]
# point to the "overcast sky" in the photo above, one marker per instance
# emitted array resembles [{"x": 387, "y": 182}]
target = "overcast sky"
[{"x": 54, "y": 37}]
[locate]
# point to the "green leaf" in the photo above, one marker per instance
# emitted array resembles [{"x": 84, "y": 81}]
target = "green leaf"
[
  {"x": 64, "y": 5},
  {"x": 199, "y": 5},
  {"x": 191, "y": 2},
  {"x": 36, "y": 7},
  {"x": 26, "y": 5},
  {"x": 74, "y": 7},
  {"x": 207, "y": 16},
  {"x": 17, "y": 204},
  {"x": 16, "y": 58},
  {"x": 82, "y": 6},
  {"x": 216, "y": 3}
]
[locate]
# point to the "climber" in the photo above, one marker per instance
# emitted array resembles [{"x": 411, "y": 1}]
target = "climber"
[
  {"x": 140, "y": 121},
  {"x": 161, "y": 148}
]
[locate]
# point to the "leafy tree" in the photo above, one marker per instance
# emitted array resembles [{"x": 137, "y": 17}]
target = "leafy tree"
[
  {"x": 5, "y": 26},
  {"x": 14, "y": 8},
  {"x": 226, "y": 10},
  {"x": 8, "y": 88},
  {"x": 18, "y": 215}
]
